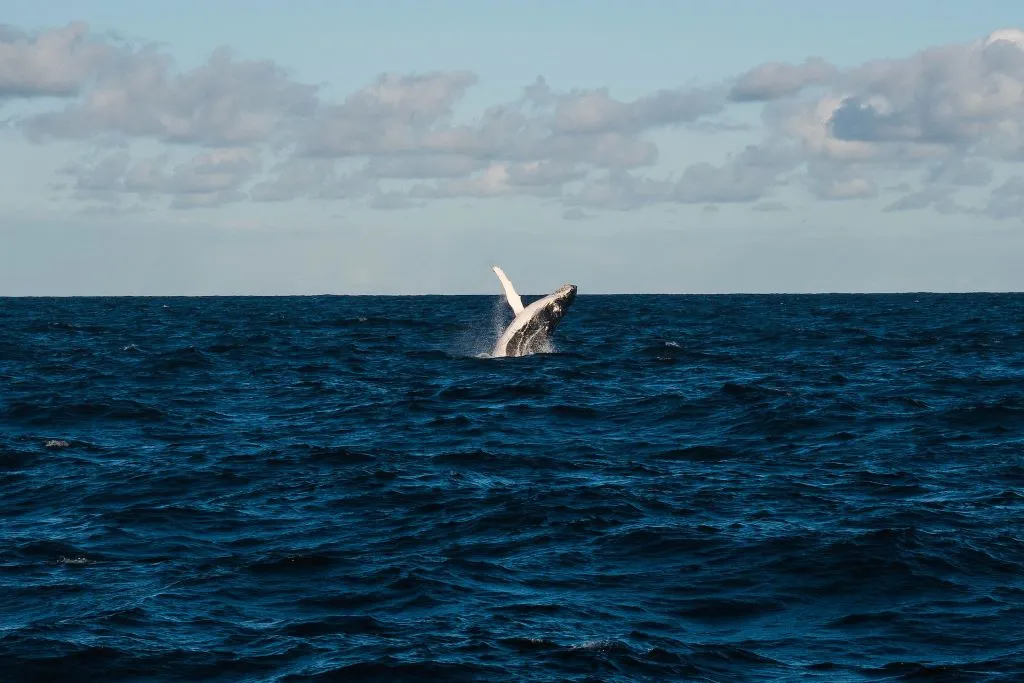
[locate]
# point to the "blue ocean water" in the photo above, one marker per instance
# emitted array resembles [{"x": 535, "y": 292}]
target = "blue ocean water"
[{"x": 709, "y": 488}]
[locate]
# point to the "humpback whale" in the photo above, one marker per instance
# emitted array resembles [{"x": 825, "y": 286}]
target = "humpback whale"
[{"x": 533, "y": 325}]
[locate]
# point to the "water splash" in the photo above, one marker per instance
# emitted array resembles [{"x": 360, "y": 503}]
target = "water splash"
[
  {"x": 501, "y": 316},
  {"x": 478, "y": 341}
]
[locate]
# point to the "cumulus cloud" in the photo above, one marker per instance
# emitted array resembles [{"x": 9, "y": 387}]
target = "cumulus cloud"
[
  {"x": 207, "y": 179},
  {"x": 394, "y": 115},
  {"x": 939, "y": 184},
  {"x": 747, "y": 177},
  {"x": 405, "y": 125},
  {"x": 55, "y": 63},
  {"x": 423, "y": 166},
  {"x": 621, "y": 190},
  {"x": 135, "y": 93},
  {"x": 543, "y": 173},
  {"x": 942, "y": 115},
  {"x": 744, "y": 178},
  {"x": 215, "y": 171},
  {"x": 604, "y": 150},
  {"x": 956, "y": 94},
  {"x": 777, "y": 80},
  {"x": 539, "y": 178},
  {"x": 294, "y": 179},
  {"x": 405, "y": 128},
  {"x": 935, "y": 122},
  {"x": 595, "y": 111},
  {"x": 734, "y": 182}
]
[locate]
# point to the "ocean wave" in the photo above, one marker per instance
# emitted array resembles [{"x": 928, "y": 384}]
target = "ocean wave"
[{"x": 688, "y": 488}]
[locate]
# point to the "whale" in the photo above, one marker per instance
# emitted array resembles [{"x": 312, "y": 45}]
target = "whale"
[{"x": 531, "y": 329}]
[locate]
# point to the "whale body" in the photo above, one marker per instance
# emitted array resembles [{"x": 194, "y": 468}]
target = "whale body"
[{"x": 531, "y": 330}]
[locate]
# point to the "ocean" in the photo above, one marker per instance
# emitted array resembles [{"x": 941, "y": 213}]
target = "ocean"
[{"x": 707, "y": 488}]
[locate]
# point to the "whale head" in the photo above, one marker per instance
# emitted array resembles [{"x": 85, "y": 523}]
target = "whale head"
[{"x": 562, "y": 299}]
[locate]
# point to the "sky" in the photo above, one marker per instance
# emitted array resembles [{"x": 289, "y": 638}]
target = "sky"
[{"x": 402, "y": 147}]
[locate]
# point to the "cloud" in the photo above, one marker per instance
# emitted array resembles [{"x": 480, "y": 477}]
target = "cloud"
[
  {"x": 604, "y": 150},
  {"x": 575, "y": 213},
  {"x": 705, "y": 182},
  {"x": 777, "y": 80},
  {"x": 135, "y": 93},
  {"x": 404, "y": 125},
  {"x": 948, "y": 95},
  {"x": 958, "y": 171},
  {"x": 211, "y": 172},
  {"x": 348, "y": 186},
  {"x": 842, "y": 187},
  {"x": 539, "y": 178},
  {"x": 55, "y": 63},
  {"x": 543, "y": 173},
  {"x": 207, "y": 199},
  {"x": 295, "y": 178},
  {"x": 394, "y": 115},
  {"x": 621, "y": 190},
  {"x": 491, "y": 182},
  {"x": 232, "y": 130},
  {"x": 943, "y": 114},
  {"x": 920, "y": 106},
  {"x": 207, "y": 179},
  {"x": 745, "y": 178},
  {"x": 103, "y": 177},
  {"x": 423, "y": 166},
  {"x": 940, "y": 183},
  {"x": 1007, "y": 200},
  {"x": 595, "y": 111},
  {"x": 808, "y": 123},
  {"x": 916, "y": 201}
]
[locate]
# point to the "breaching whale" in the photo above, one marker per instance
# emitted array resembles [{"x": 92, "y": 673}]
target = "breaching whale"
[{"x": 533, "y": 325}]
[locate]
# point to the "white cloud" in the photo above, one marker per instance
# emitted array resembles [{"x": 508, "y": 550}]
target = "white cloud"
[
  {"x": 55, "y": 63},
  {"x": 595, "y": 111},
  {"x": 937, "y": 121},
  {"x": 947, "y": 95},
  {"x": 207, "y": 179},
  {"x": 775, "y": 80},
  {"x": 135, "y": 93}
]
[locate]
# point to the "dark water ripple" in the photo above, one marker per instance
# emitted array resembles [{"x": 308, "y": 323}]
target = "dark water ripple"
[{"x": 693, "y": 488}]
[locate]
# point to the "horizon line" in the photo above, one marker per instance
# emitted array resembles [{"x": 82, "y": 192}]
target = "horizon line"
[{"x": 498, "y": 294}]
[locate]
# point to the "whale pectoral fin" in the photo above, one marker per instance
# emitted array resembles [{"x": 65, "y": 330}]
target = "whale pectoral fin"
[{"x": 510, "y": 292}]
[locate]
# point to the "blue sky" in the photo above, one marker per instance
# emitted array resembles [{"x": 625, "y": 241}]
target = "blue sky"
[{"x": 403, "y": 147}]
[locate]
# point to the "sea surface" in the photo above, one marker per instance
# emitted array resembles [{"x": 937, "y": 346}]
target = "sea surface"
[{"x": 706, "y": 488}]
